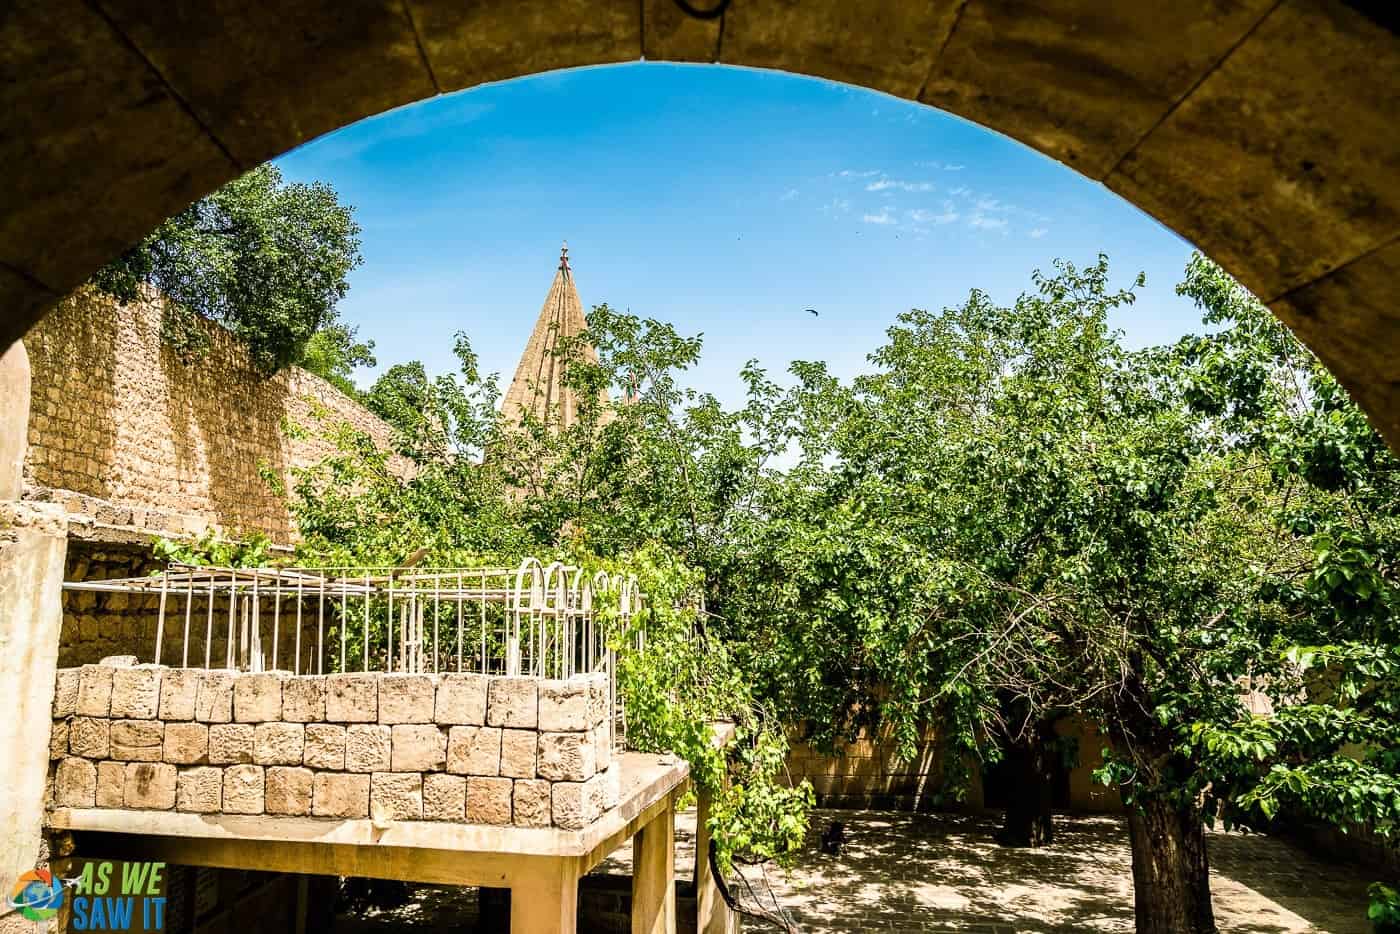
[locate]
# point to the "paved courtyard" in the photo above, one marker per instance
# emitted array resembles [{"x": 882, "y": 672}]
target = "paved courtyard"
[{"x": 919, "y": 873}]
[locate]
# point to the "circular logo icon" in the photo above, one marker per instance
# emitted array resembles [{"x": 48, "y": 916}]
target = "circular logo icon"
[{"x": 37, "y": 895}]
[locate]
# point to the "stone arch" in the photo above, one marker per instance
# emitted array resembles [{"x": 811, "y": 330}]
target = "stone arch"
[{"x": 1261, "y": 130}]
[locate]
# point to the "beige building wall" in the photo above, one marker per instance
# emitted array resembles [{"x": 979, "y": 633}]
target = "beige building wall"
[
  {"x": 152, "y": 444},
  {"x": 866, "y": 773}
]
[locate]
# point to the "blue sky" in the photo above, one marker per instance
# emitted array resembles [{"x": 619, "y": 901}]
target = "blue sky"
[{"x": 723, "y": 200}]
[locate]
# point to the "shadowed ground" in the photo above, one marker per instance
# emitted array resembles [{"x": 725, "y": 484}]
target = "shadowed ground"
[{"x": 905, "y": 873}]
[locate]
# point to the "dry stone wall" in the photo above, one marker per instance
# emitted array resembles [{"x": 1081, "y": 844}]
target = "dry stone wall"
[
  {"x": 130, "y": 437},
  {"x": 479, "y": 749}
]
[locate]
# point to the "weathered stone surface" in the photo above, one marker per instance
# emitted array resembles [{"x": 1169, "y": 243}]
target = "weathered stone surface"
[
  {"x": 566, "y": 757},
  {"x": 518, "y": 748},
  {"x": 325, "y": 746},
  {"x": 243, "y": 789},
  {"x": 58, "y": 739},
  {"x": 602, "y": 746},
  {"x": 598, "y": 698},
  {"x": 564, "y": 705},
  {"x": 488, "y": 800},
  {"x": 75, "y": 783},
  {"x": 339, "y": 794},
  {"x": 288, "y": 790},
  {"x": 137, "y": 740},
  {"x": 65, "y": 692},
  {"x": 257, "y": 698},
  {"x": 118, "y": 661},
  {"x": 150, "y": 786},
  {"x": 186, "y": 743},
  {"x": 418, "y": 747},
  {"x": 230, "y": 743},
  {"x": 200, "y": 790},
  {"x": 396, "y": 796},
  {"x": 367, "y": 748},
  {"x": 304, "y": 699},
  {"x": 89, "y": 737},
  {"x": 406, "y": 698},
  {"x": 94, "y": 691},
  {"x": 214, "y": 697},
  {"x": 532, "y": 803},
  {"x": 179, "y": 692},
  {"x": 513, "y": 702},
  {"x": 573, "y": 805},
  {"x": 461, "y": 699},
  {"x": 474, "y": 750},
  {"x": 444, "y": 797},
  {"x": 278, "y": 743},
  {"x": 604, "y": 789},
  {"x": 111, "y": 784},
  {"x": 352, "y": 698},
  {"x": 136, "y": 692}
]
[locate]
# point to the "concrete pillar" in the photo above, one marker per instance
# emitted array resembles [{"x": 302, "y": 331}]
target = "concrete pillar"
[
  {"x": 654, "y": 876},
  {"x": 545, "y": 900},
  {"x": 14, "y": 419},
  {"x": 712, "y": 915},
  {"x": 33, "y": 539}
]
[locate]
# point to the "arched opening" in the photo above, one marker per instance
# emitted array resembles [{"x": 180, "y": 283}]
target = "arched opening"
[{"x": 1259, "y": 130}]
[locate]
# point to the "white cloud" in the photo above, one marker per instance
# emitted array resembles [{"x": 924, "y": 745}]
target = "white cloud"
[
  {"x": 837, "y": 206},
  {"x": 946, "y": 216},
  {"x": 851, "y": 173},
  {"x": 884, "y": 217},
  {"x": 982, "y": 222},
  {"x": 1038, "y": 233},
  {"x": 788, "y": 195},
  {"x": 954, "y": 168},
  {"x": 884, "y": 184}
]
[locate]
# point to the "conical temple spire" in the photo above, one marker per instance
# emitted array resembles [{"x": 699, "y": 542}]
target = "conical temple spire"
[{"x": 538, "y": 386}]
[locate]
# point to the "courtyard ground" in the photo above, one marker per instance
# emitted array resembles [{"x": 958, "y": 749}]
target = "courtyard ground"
[{"x": 904, "y": 873}]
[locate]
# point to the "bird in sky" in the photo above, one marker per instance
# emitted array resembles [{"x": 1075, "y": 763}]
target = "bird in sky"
[{"x": 813, "y": 312}]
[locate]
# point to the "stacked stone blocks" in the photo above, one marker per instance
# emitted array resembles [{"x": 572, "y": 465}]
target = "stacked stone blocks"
[{"x": 455, "y": 747}]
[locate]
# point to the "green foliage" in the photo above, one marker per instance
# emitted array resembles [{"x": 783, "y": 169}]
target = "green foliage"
[
  {"x": 1384, "y": 910},
  {"x": 268, "y": 260},
  {"x": 333, "y": 354},
  {"x": 212, "y": 549}
]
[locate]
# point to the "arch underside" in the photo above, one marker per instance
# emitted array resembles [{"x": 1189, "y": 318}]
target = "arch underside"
[{"x": 1262, "y": 131}]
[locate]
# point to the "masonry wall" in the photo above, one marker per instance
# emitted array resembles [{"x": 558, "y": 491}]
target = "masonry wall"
[
  {"x": 149, "y": 442},
  {"x": 866, "y": 773},
  {"x": 460, "y": 747}
]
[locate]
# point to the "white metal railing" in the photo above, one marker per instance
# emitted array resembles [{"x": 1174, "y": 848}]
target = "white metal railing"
[{"x": 536, "y": 619}]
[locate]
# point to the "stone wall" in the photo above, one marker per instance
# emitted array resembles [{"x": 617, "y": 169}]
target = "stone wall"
[
  {"x": 147, "y": 442},
  {"x": 460, "y": 747},
  {"x": 865, "y": 773}
]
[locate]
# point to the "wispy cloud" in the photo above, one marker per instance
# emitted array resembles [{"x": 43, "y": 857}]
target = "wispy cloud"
[
  {"x": 883, "y": 218},
  {"x": 946, "y": 216},
  {"x": 1038, "y": 233},
  {"x": 852, "y": 173},
  {"x": 837, "y": 206},
  {"x": 788, "y": 195},
  {"x": 885, "y": 184},
  {"x": 981, "y": 221}
]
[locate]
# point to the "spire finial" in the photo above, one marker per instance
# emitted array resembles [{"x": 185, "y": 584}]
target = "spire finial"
[{"x": 564, "y": 256}]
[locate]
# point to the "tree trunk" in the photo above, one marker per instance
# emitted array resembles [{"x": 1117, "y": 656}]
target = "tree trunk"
[
  {"x": 1028, "y": 820},
  {"x": 1171, "y": 876}
]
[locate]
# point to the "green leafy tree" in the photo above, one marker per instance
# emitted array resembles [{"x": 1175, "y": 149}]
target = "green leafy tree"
[
  {"x": 333, "y": 354},
  {"x": 268, "y": 260}
]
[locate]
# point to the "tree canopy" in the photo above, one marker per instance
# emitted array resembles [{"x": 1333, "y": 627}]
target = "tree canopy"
[
  {"x": 1010, "y": 519},
  {"x": 267, "y": 259}
]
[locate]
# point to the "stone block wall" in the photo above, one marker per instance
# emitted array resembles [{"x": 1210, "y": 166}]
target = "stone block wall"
[
  {"x": 469, "y": 748},
  {"x": 137, "y": 439}
]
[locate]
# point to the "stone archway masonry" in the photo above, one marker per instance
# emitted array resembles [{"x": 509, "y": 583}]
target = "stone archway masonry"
[{"x": 1261, "y": 130}]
